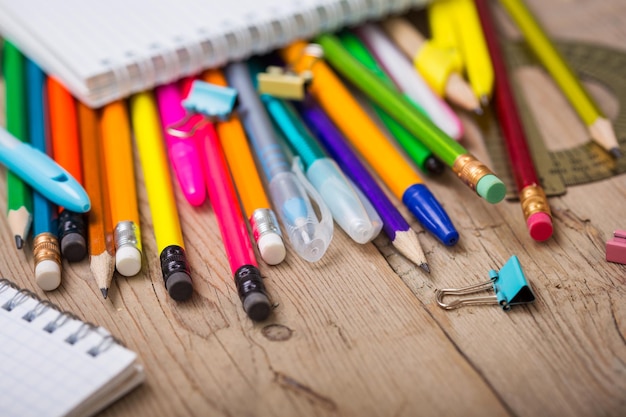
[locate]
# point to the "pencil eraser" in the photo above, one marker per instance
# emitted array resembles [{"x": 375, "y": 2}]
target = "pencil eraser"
[
  {"x": 491, "y": 188},
  {"x": 272, "y": 248},
  {"x": 73, "y": 247},
  {"x": 257, "y": 306},
  {"x": 48, "y": 275},
  {"x": 540, "y": 226},
  {"x": 179, "y": 286},
  {"x": 128, "y": 261}
]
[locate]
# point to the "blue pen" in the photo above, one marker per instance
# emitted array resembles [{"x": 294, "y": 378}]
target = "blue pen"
[
  {"x": 43, "y": 174},
  {"x": 350, "y": 209},
  {"x": 46, "y": 250},
  {"x": 309, "y": 236}
]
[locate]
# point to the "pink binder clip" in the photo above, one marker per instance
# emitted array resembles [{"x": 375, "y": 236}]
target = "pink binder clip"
[{"x": 616, "y": 247}]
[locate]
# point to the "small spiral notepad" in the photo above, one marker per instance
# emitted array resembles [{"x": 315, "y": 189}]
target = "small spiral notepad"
[
  {"x": 104, "y": 50},
  {"x": 53, "y": 364}
]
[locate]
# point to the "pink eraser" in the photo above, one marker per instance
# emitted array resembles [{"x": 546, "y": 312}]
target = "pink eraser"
[
  {"x": 616, "y": 247},
  {"x": 539, "y": 226}
]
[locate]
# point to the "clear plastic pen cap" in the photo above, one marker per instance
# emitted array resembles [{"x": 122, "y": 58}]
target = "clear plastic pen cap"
[{"x": 308, "y": 235}]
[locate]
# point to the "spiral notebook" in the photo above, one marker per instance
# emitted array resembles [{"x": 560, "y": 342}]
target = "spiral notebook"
[
  {"x": 53, "y": 364},
  {"x": 105, "y": 50}
]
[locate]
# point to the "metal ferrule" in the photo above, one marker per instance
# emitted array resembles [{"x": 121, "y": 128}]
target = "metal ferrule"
[
  {"x": 264, "y": 221},
  {"x": 126, "y": 234},
  {"x": 534, "y": 200},
  {"x": 470, "y": 170},
  {"x": 46, "y": 247}
]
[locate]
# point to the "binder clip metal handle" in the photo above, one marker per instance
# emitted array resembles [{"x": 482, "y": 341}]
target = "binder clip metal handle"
[
  {"x": 212, "y": 102},
  {"x": 509, "y": 285}
]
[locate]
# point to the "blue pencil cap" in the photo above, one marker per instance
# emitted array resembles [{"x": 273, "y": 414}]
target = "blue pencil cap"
[
  {"x": 509, "y": 285},
  {"x": 427, "y": 210}
]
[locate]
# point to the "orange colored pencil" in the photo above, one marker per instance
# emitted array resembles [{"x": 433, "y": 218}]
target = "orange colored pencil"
[
  {"x": 102, "y": 258},
  {"x": 66, "y": 152},
  {"x": 120, "y": 173}
]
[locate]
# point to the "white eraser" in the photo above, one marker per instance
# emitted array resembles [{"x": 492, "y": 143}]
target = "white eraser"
[
  {"x": 272, "y": 248},
  {"x": 128, "y": 261},
  {"x": 48, "y": 275}
]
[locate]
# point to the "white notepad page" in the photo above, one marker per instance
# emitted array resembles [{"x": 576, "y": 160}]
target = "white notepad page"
[
  {"x": 44, "y": 374},
  {"x": 104, "y": 50}
]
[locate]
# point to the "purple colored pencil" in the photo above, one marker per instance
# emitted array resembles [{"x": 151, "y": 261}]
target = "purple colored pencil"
[{"x": 394, "y": 224}]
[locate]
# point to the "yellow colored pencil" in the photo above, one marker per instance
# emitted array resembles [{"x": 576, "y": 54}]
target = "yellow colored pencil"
[
  {"x": 254, "y": 200},
  {"x": 599, "y": 126},
  {"x": 158, "y": 182},
  {"x": 118, "y": 158}
]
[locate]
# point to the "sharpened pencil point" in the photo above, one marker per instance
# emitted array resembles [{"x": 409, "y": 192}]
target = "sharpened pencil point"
[
  {"x": 19, "y": 242},
  {"x": 478, "y": 111},
  {"x": 425, "y": 267},
  {"x": 484, "y": 101},
  {"x": 105, "y": 292}
]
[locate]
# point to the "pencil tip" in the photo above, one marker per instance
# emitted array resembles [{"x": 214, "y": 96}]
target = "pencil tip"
[
  {"x": 478, "y": 111},
  {"x": 616, "y": 152},
  {"x": 425, "y": 267},
  {"x": 105, "y": 292},
  {"x": 19, "y": 242},
  {"x": 484, "y": 100}
]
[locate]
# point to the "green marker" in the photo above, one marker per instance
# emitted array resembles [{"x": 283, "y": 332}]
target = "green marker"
[{"x": 415, "y": 149}]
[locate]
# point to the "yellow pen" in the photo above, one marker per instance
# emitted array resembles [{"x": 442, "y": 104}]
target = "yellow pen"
[{"x": 158, "y": 183}]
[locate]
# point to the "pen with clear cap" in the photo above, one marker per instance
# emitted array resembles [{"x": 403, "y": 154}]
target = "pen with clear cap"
[
  {"x": 308, "y": 235},
  {"x": 352, "y": 211}
]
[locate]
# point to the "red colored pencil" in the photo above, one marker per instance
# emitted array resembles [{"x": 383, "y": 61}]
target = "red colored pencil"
[{"x": 532, "y": 197}]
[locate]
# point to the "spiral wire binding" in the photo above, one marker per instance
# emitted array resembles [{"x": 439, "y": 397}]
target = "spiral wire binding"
[{"x": 63, "y": 317}]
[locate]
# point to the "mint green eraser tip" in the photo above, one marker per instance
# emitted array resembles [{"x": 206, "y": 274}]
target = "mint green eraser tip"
[{"x": 491, "y": 188}]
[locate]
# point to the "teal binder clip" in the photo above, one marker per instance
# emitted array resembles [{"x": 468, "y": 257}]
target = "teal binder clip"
[
  {"x": 509, "y": 284},
  {"x": 213, "y": 102}
]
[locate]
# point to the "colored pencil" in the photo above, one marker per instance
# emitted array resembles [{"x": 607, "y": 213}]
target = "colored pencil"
[
  {"x": 19, "y": 195},
  {"x": 382, "y": 156},
  {"x": 66, "y": 152},
  {"x": 400, "y": 234},
  {"x": 599, "y": 126},
  {"x": 163, "y": 210},
  {"x": 101, "y": 250},
  {"x": 46, "y": 250},
  {"x": 254, "y": 199},
  {"x": 120, "y": 172},
  {"x": 532, "y": 197}
]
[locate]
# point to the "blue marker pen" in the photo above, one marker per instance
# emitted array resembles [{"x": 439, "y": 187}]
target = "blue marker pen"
[{"x": 309, "y": 236}]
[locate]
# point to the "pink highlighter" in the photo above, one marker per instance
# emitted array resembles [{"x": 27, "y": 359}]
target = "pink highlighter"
[{"x": 184, "y": 153}]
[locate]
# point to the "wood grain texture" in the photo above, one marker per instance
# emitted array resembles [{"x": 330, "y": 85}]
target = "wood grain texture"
[{"x": 359, "y": 333}]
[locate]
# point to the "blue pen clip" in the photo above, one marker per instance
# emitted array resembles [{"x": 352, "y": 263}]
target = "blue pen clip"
[
  {"x": 213, "y": 102},
  {"x": 509, "y": 284}
]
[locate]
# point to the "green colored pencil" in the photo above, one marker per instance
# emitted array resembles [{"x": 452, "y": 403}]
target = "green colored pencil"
[{"x": 19, "y": 199}]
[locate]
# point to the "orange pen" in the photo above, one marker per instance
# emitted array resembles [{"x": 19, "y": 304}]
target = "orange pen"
[{"x": 66, "y": 152}]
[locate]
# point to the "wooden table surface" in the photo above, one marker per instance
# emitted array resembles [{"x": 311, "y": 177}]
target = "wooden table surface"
[{"x": 359, "y": 333}]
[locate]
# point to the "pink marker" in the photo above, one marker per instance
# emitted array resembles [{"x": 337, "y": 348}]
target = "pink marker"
[{"x": 183, "y": 152}]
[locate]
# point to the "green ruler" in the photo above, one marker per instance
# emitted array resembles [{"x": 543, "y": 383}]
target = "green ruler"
[{"x": 578, "y": 165}]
